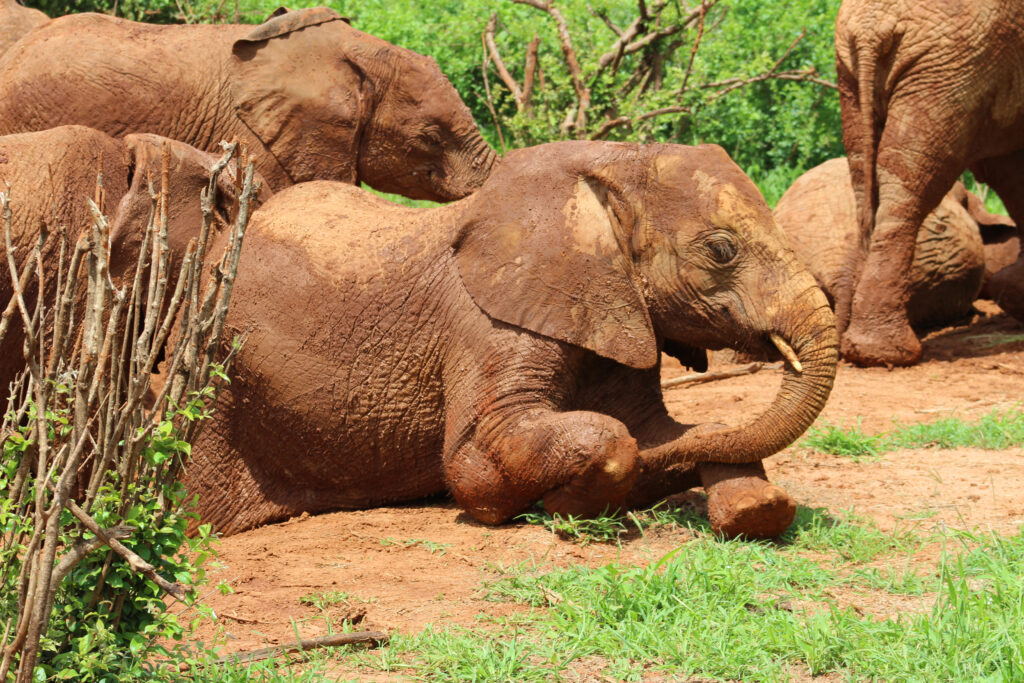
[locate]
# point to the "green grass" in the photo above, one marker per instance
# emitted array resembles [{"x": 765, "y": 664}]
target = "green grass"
[
  {"x": 613, "y": 527},
  {"x": 996, "y": 430},
  {"x": 749, "y": 611}
]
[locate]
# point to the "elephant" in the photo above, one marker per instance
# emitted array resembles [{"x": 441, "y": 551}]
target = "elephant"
[
  {"x": 506, "y": 347},
  {"x": 16, "y": 21},
  {"x": 818, "y": 213},
  {"x": 52, "y": 174},
  {"x": 926, "y": 90},
  {"x": 309, "y": 97}
]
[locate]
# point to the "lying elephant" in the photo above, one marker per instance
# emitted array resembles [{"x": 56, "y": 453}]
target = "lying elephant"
[
  {"x": 16, "y": 21},
  {"x": 52, "y": 174},
  {"x": 307, "y": 94},
  {"x": 926, "y": 90},
  {"x": 818, "y": 213},
  {"x": 506, "y": 347}
]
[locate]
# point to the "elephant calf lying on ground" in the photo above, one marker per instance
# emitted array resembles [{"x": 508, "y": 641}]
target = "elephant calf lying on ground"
[
  {"x": 507, "y": 347},
  {"x": 52, "y": 175},
  {"x": 818, "y": 213}
]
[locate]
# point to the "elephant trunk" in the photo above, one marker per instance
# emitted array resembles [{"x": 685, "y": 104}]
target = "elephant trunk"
[
  {"x": 471, "y": 167},
  {"x": 800, "y": 398}
]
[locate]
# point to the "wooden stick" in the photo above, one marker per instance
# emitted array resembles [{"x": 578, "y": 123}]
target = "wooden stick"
[
  {"x": 373, "y": 637},
  {"x": 720, "y": 374}
]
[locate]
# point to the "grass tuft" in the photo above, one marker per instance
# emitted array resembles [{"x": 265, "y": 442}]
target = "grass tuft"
[{"x": 997, "y": 430}]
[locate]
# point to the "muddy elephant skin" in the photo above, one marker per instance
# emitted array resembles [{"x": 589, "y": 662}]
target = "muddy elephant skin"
[
  {"x": 818, "y": 213},
  {"x": 52, "y": 175},
  {"x": 16, "y": 21},
  {"x": 506, "y": 347},
  {"x": 307, "y": 94},
  {"x": 927, "y": 89}
]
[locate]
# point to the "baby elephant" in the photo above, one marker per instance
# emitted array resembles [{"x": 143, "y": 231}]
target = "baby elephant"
[
  {"x": 507, "y": 347},
  {"x": 819, "y": 216},
  {"x": 52, "y": 175}
]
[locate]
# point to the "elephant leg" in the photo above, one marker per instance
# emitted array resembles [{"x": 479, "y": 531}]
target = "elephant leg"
[
  {"x": 879, "y": 332},
  {"x": 578, "y": 462},
  {"x": 741, "y": 500},
  {"x": 1005, "y": 175}
]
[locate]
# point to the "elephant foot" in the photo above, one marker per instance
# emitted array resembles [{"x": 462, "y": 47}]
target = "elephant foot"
[
  {"x": 745, "y": 503},
  {"x": 889, "y": 345},
  {"x": 1007, "y": 289}
]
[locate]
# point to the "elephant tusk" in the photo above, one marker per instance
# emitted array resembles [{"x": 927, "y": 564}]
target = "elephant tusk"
[{"x": 787, "y": 351}]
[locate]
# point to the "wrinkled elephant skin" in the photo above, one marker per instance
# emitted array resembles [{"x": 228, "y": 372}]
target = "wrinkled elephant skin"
[
  {"x": 927, "y": 89},
  {"x": 308, "y": 95},
  {"x": 818, "y": 213},
  {"x": 16, "y": 21},
  {"x": 506, "y": 347}
]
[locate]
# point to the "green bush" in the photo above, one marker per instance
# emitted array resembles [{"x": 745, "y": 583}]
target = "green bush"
[{"x": 110, "y": 623}]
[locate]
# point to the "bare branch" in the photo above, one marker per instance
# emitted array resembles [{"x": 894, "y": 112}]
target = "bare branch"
[
  {"x": 489, "y": 101},
  {"x": 529, "y": 73},
  {"x": 503, "y": 73},
  {"x": 721, "y": 374},
  {"x": 582, "y": 92},
  {"x": 371, "y": 637}
]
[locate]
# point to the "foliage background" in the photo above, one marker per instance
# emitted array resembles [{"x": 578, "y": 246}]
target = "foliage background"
[{"x": 775, "y": 130}]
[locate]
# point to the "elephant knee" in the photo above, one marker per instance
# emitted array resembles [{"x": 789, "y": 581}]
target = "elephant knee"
[
  {"x": 602, "y": 470},
  {"x": 479, "y": 487}
]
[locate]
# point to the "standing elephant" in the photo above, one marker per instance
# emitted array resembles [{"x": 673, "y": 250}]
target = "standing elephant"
[
  {"x": 307, "y": 94},
  {"x": 818, "y": 213},
  {"x": 927, "y": 89},
  {"x": 507, "y": 347},
  {"x": 16, "y": 21},
  {"x": 52, "y": 175}
]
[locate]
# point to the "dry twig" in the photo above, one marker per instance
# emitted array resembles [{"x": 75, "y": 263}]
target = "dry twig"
[{"x": 720, "y": 374}]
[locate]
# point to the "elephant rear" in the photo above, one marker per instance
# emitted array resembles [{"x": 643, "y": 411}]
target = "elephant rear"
[{"x": 335, "y": 400}]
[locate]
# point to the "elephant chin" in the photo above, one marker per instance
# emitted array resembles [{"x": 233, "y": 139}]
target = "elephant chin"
[{"x": 800, "y": 398}]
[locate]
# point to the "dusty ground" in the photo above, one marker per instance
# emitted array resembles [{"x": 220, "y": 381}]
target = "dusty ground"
[{"x": 409, "y": 566}]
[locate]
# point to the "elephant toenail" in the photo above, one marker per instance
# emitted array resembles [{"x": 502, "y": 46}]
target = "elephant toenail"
[{"x": 745, "y": 504}]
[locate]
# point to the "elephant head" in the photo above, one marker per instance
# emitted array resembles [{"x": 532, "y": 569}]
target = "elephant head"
[
  {"x": 188, "y": 175},
  {"x": 624, "y": 249},
  {"x": 331, "y": 102}
]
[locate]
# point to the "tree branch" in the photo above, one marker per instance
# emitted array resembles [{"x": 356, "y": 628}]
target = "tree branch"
[
  {"x": 582, "y": 92},
  {"x": 137, "y": 564},
  {"x": 503, "y": 73}
]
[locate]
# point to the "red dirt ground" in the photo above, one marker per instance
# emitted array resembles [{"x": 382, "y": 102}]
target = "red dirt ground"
[{"x": 398, "y": 582}]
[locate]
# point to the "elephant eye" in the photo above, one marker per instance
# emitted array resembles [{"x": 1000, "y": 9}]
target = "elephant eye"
[{"x": 721, "y": 249}]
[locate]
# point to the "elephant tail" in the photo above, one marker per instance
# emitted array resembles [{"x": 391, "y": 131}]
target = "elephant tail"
[{"x": 863, "y": 116}]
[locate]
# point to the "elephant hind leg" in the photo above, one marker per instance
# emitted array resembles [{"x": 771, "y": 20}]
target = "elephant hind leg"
[{"x": 1005, "y": 175}]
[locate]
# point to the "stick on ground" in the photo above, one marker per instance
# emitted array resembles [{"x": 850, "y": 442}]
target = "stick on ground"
[{"x": 721, "y": 374}]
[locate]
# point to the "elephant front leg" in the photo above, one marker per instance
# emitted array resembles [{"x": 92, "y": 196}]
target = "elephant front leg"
[
  {"x": 579, "y": 463},
  {"x": 741, "y": 500}
]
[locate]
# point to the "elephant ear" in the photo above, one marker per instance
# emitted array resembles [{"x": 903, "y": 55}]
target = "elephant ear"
[
  {"x": 555, "y": 264},
  {"x": 994, "y": 228},
  {"x": 299, "y": 94}
]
